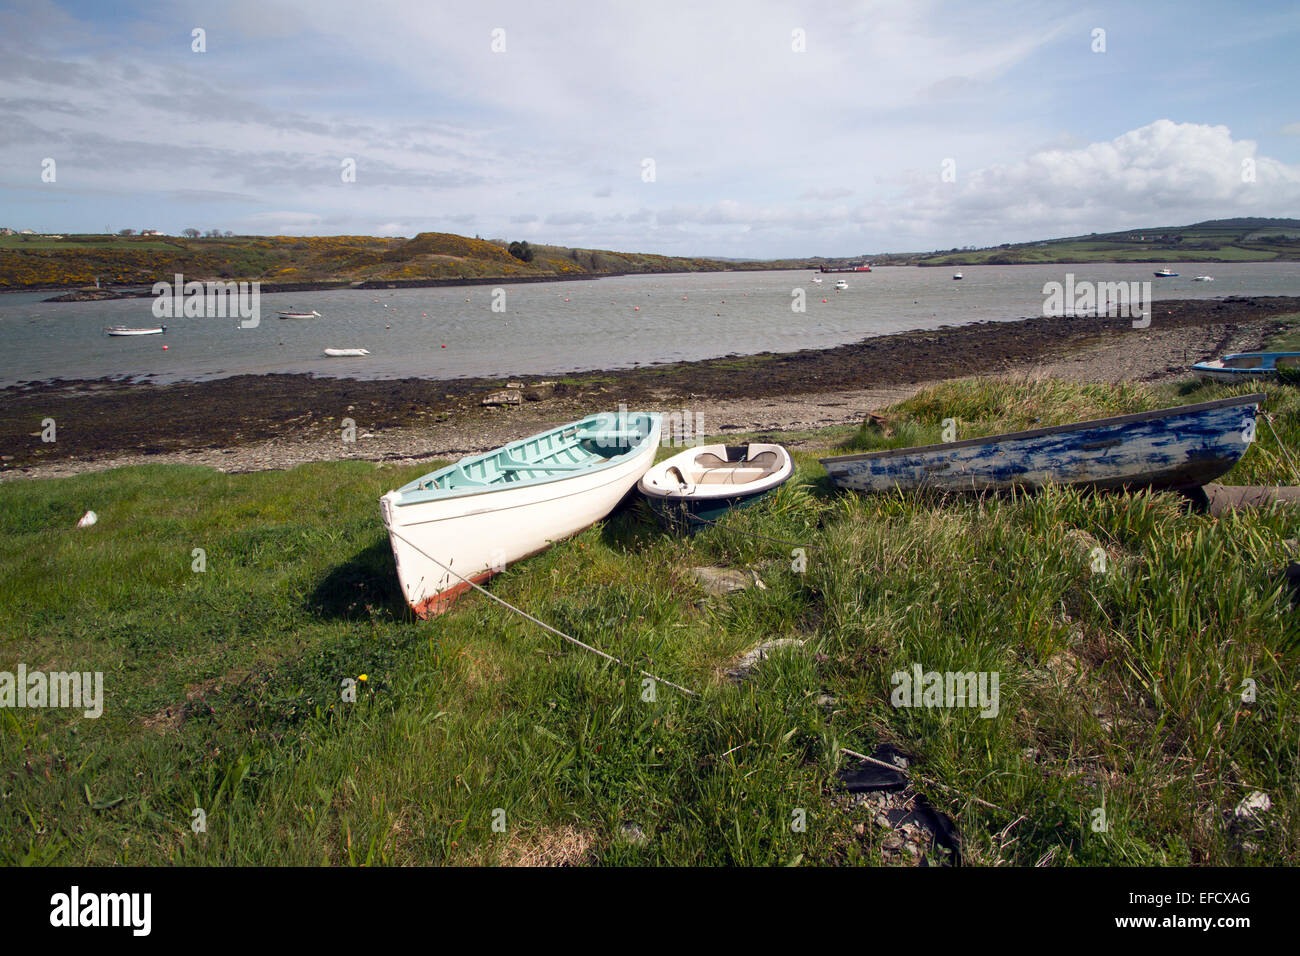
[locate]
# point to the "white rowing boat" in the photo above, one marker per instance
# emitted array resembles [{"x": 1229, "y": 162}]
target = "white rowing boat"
[
  {"x": 469, "y": 521},
  {"x": 346, "y": 353}
]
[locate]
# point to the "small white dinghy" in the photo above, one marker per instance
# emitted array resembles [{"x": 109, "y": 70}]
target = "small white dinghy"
[
  {"x": 346, "y": 353},
  {"x": 313, "y": 314},
  {"x": 701, "y": 484}
]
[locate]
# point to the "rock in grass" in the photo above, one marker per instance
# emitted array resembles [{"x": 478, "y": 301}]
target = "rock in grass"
[
  {"x": 722, "y": 580},
  {"x": 1254, "y": 804},
  {"x": 631, "y": 833},
  {"x": 87, "y": 519},
  {"x": 743, "y": 665}
]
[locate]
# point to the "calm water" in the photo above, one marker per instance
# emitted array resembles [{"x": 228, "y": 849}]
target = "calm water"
[{"x": 556, "y": 327}]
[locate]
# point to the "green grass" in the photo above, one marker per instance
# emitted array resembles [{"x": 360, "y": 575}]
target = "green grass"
[
  {"x": 1287, "y": 340},
  {"x": 222, "y": 688}
]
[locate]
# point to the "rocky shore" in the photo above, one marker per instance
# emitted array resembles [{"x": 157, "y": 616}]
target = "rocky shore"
[{"x": 248, "y": 422}]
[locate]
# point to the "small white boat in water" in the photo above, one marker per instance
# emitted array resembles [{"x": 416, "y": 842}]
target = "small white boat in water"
[
  {"x": 956, "y": 275},
  {"x": 123, "y": 330},
  {"x": 313, "y": 314},
  {"x": 468, "y": 521},
  {"x": 1203, "y": 279},
  {"x": 841, "y": 285},
  {"x": 817, "y": 280},
  {"x": 1165, "y": 274},
  {"x": 346, "y": 353}
]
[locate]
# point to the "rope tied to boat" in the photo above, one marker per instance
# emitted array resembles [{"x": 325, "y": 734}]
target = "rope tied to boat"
[
  {"x": 556, "y": 631},
  {"x": 685, "y": 690}
]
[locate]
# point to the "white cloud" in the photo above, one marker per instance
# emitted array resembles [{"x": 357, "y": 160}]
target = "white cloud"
[{"x": 547, "y": 139}]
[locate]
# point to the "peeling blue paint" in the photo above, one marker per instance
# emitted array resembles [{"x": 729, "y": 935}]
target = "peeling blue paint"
[{"x": 1170, "y": 448}]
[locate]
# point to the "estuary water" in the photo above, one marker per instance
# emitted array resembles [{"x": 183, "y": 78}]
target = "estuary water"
[{"x": 549, "y": 328}]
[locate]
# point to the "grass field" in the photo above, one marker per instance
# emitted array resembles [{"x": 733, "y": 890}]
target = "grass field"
[
  {"x": 38, "y": 262},
  {"x": 1226, "y": 240},
  {"x": 1119, "y": 689}
]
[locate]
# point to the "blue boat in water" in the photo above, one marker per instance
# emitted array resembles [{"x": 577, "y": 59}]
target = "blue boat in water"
[
  {"x": 1247, "y": 366},
  {"x": 1176, "y": 448}
]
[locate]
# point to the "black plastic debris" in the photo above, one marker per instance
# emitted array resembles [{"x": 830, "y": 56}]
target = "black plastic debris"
[
  {"x": 1293, "y": 581},
  {"x": 867, "y": 777},
  {"x": 915, "y": 826}
]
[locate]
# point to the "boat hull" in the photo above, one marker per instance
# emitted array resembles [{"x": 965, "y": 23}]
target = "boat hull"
[
  {"x": 1233, "y": 375},
  {"x": 692, "y": 514},
  {"x": 1248, "y": 366},
  {"x": 442, "y": 544},
  {"x": 1167, "y": 448}
]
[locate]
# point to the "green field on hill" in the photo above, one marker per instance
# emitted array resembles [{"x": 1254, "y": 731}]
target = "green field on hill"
[
  {"x": 39, "y": 262},
  {"x": 1226, "y": 240}
]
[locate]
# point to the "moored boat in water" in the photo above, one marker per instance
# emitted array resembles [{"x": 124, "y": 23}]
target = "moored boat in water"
[
  {"x": 346, "y": 353},
  {"x": 699, "y": 485},
  {"x": 124, "y": 330},
  {"x": 1179, "y": 447},
  {"x": 313, "y": 314},
  {"x": 468, "y": 521}
]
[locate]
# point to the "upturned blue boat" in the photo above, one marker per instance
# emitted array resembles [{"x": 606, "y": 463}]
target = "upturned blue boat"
[{"x": 1173, "y": 448}]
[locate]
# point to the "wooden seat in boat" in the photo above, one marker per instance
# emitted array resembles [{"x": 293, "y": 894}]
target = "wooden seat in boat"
[{"x": 712, "y": 470}]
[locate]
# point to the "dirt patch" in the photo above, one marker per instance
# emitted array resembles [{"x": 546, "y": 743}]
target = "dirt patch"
[
  {"x": 171, "y": 717},
  {"x": 554, "y": 846}
]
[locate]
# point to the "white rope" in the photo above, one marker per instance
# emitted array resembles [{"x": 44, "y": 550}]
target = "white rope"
[
  {"x": 1268, "y": 420},
  {"x": 690, "y": 693},
  {"x": 572, "y": 640}
]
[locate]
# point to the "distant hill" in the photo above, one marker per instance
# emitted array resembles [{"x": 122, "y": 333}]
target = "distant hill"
[
  {"x": 1218, "y": 240},
  {"x": 43, "y": 262},
  {"x": 57, "y": 262}
]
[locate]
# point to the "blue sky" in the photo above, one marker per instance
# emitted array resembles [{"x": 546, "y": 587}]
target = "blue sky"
[{"x": 759, "y": 148}]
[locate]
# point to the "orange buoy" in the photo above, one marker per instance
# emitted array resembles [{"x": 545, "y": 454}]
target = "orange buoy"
[{"x": 164, "y": 348}]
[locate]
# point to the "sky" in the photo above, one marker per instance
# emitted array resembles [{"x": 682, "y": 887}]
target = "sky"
[{"x": 744, "y": 129}]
